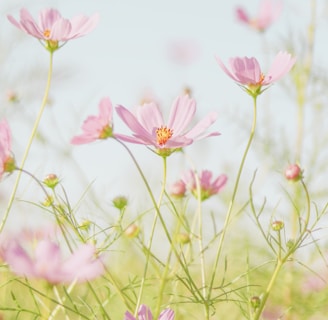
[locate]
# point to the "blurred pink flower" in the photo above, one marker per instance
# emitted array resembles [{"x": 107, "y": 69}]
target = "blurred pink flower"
[
  {"x": 208, "y": 187},
  {"x": 149, "y": 128},
  {"x": 178, "y": 189},
  {"x": 47, "y": 262},
  {"x": 144, "y": 313},
  {"x": 97, "y": 127},
  {"x": 269, "y": 12},
  {"x": 52, "y": 27},
  {"x": 247, "y": 72},
  {"x": 184, "y": 52},
  {"x": 7, "y": 162}
]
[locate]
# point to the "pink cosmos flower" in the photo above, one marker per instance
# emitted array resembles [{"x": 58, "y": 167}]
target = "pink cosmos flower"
[
  {"x": 97, "y": 127},
  {"x": 53, "y": 28},
  {"x": 150, "y": 129},
  {"x": 7, "y": 162},
  {"x": 269, "y": 12},
  {"x": 208, "y": 186},
  {"x": 144, "y": 313},
  {"x": 247, "y": 72},
  {"x": 178, "y": 189},
  {"x": 184, "y": 52},
  {"x": 47, "y": 262}
]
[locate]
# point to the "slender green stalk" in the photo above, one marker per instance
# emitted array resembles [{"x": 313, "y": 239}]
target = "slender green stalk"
[
  {"x": 233, "y": 197},
  {"x": 282, "y": 260},
  {"x": 29, "y": 144},
  {"x": 158, "y": 205},
  {"x": 192, "y": 285},
  {"x": 303, "y": 82}
]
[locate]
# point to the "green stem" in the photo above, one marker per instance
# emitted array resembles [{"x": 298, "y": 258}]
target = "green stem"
[
  {"x": 281, "y": 261},
  {"x": 232, "y": 201},
  {"x": 195, "y": 291},
  {"x": 152, "y": 233},
  {"x": 29, "y": 144}
]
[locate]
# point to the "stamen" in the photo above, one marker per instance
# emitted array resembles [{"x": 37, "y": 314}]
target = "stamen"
[
  {"x": 163, "y": 134},
  {"x": 46, "y": 33},
  {"x": 262, "y": 76}
]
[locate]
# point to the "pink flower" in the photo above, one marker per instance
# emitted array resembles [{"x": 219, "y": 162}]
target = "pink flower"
[
  {"x": 269, "y": 11},
  {"x": 184, "y": 52},
  {"x": 247, "y": 72},
  {"x": 47, "y": 262},
  {"x": 97, "y": 127},
  {"x": 207, "y": 186},
  {"x": 53, "y": 28},
  {"x": 178, "y": 189},
  {"x": 149, "y": 127},
  {"x": 144, "y": 313},
  {"x": 7, "y": 162}
]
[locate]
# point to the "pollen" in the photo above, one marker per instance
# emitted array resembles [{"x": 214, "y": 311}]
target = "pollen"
[
  {"x": 46, "y": 33},
  {"x": 163, "y": 134},
  {"x": 262, "y": 76}
]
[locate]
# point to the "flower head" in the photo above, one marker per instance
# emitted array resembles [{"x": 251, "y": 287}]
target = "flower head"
[
  {"x": 144, "y": 313},
  {"x": 97, "y": 127},
  {"x": 269, "y": 11},
  {"x": 46, "y": 261},
  {"x": 52, "y": 28},
  {"x": 150, "y": 129},
  {"x": 247, "y": 72},
  {"x": 7, "y": 161},
  {"x": 207, "y": 185},
  {"x": 178, "y": 189}
]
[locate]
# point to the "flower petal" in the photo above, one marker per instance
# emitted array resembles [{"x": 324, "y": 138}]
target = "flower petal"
[
  {"x": 182, "y": 111},
  {"x": 198, "y": 131}
]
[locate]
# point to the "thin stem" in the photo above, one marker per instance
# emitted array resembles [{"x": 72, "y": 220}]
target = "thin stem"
[
  {"x": 29, "y": 144},
  {"x": 192, "y": 284},
  {"x": 234, "y": 193},
  {"x": 303, "y": 82},
  {"x": 158, "y": 205},
  {"x": 282, "y": 260}
]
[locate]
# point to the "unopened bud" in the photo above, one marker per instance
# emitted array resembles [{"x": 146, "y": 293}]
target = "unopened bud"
[
  {"x": 255, "y": 302},
  {"x": 9, "y": 165},
  {"x": 51, "y": 181},
  {"x": 48, "y": 201},
  {"x": 132, "y": 231},
  {"x": 183, "y": 238},
  {"x": 277, "y": 225},
  {"x": 85, "y": 225},
  {"x": 120, "y": 202},
  {"x": 293, "y": 172}
]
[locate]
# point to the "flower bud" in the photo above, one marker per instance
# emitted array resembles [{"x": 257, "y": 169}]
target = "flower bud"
[
  {"x": 85, "y": 225},
  {"x": 9, "y": 165},
  {"x": 51, "y": 181},
  {"x": 48, "y": 201},
  {"x": 132, "y": 231},
  {"x": 290, "y": 243},
  {"x": 183, "y": 238},
  {"x": 277, "y": 225},
  {"x": 293, "y": 172},
  {"x": 120, "y": 202},
  {"x": 255, "y": 302}
]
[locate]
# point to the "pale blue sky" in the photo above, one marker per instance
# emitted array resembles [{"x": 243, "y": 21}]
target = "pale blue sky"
[{"x": 127, "y": 55}]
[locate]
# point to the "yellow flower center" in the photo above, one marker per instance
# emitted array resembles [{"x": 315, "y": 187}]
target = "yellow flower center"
[
  {"x": 163, "y": 134},
  {"x": 46, "y": 33},
  {"x": 262, "y": 76}
]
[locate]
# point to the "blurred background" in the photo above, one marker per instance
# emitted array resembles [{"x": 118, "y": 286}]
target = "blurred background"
[{"x": 156, "y": 50}]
